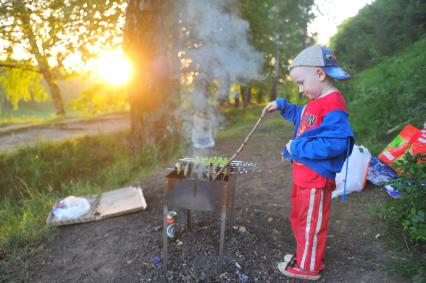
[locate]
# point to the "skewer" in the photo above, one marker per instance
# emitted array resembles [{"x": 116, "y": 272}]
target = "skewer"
[
  {"x": 189, "y": 166},
  {"x": 241, "y": 146}
]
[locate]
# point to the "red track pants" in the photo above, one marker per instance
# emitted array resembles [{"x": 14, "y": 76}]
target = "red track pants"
[{"x": 310, "y": 209}]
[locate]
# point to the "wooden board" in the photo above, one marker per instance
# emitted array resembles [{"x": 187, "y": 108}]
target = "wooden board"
[
  {"x": 120, "y": 202},
  {"x": 108, "y": 204}
]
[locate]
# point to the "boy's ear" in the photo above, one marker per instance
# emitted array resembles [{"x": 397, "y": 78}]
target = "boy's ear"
[{"x": 321, "y": 74}]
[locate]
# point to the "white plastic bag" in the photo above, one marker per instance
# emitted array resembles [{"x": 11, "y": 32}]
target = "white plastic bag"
[
  {"x": 71, "y": 208},
  {"x": 359, "y": 161}
]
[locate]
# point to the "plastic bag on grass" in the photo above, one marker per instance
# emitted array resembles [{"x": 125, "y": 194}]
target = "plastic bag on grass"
[
  {"x": 394, "y": 193},
  {"x": 359, "y": 162},
  {"x": 379, "y": 173},
  {"x": 71, "y": 208}
]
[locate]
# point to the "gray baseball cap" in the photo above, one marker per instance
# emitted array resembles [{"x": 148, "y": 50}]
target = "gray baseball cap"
[{"x": 317, "y": 56}]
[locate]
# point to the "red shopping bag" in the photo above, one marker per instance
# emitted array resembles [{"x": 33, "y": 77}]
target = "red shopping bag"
[{"x": 400, "y": 144}]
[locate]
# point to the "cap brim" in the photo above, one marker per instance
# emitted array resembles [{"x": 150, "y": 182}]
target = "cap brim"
[{"x": 336, "y": 73}]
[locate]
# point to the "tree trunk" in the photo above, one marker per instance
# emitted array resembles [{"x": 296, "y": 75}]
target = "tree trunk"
[
  {"x": 246, "y": 92},
  {"x": 259, "y": 96},
  {"x": 151, "y": 92},
  {"x": 275, "y": 80},
  {"x": 43, "y": 65},
  {"x": 54, "y": 91},
  {"x": 2, "y": 103}
]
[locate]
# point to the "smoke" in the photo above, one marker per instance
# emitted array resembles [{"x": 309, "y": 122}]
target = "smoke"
[{"x": 214, "y": 44}]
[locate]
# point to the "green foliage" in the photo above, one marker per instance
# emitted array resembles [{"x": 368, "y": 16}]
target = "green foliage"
[
  {"x": 415, "y": 270},
  {"x": 49, "y": 31},
  {"x": 409, "y": 211},
  {"x": 207, "y": 160},
  {"x": 100, "y": 98},
  {"x": 407, "y": 214},
  {"x": 389, "y": 94},
  {"x": 257, "y": 93},
  {"x": 278, "y": 28},
  {"x": 28, "y": 88},
  {"x": 61, "y": 28},
  {"x": 379, "y": 30},
  {"x": 33, "y": 179},
  {"x": 290, "y": 91}
]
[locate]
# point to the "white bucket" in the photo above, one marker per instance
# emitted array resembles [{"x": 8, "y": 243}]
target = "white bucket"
[{"x": 202, "y": 131}]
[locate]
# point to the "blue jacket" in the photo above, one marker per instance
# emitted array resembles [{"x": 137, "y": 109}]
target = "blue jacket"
[{"x": 323, "y": 149}]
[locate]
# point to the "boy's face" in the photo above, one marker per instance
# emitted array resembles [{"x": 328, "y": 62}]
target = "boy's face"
[{"x": 310, "y": 81}]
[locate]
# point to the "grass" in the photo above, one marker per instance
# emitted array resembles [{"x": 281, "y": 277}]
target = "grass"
[
  {"x": 23, "y": 224},
  {"x": 404, "y": 234},
  {"x": 410, "y": 259},
  {"x": 33, "y": 179},
  {"x": 20, "y": 117},
  {"x": 34, "y": 115},
  {"x": 240, "y": 122},
  {"x": 408, "y": 268}
]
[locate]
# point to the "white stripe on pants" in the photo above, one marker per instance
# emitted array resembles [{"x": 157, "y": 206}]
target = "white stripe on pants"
[
  {"x": 308, "y": 226},
  {"x": 319, "y": 223}
]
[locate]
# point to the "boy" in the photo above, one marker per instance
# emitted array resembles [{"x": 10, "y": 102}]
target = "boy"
[{"x": 322, "y": 141}]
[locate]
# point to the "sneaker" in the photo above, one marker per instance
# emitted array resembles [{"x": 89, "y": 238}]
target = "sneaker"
[
  {"x": 288, "y": 260},
  {"x": 296, "y": 272},
  {"x": 288, "y": 257}
]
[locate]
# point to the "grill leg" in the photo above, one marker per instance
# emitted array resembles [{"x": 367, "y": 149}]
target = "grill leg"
[
  {"x": 222, "y": 236},
  {"x": 165, "y": 210},
  {"x": 233, "y": 189}
]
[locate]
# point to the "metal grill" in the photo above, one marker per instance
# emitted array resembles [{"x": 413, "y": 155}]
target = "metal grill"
[{"x": 192, "y": 193}]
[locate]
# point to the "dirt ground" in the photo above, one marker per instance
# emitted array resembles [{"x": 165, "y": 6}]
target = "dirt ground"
[{"x": 124, "y": 249}]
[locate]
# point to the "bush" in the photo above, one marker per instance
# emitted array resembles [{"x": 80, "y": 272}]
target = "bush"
[
  {"x": 388, "y": 95},
  {"x": 407, "y": 216},
  {"x": 409, "y": 211},
  {"x": 99, "y": 98},
  {"x": 379, "y": 30}
]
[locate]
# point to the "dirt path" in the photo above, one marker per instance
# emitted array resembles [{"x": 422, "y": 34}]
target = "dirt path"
[
  {"x": 123, "y": 249},
  {"x": 13, "y": 137}
]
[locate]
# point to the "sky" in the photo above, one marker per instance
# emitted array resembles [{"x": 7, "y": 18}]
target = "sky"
[{"x": 330, "y": 14}]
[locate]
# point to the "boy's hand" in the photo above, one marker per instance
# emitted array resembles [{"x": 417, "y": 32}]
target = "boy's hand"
[
  {"x": 288, "y": 146},
  {"x": 271, "y": 106}
]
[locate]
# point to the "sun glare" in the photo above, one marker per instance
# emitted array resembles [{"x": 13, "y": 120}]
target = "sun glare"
[{"x": 113, "y": 68}]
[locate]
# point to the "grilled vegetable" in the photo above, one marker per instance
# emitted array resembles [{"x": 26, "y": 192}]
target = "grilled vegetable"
[
  {"x": 178, "y": 168},
  {"x": 185, "y": 171},
  {"x": 203, "y": 167}
]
